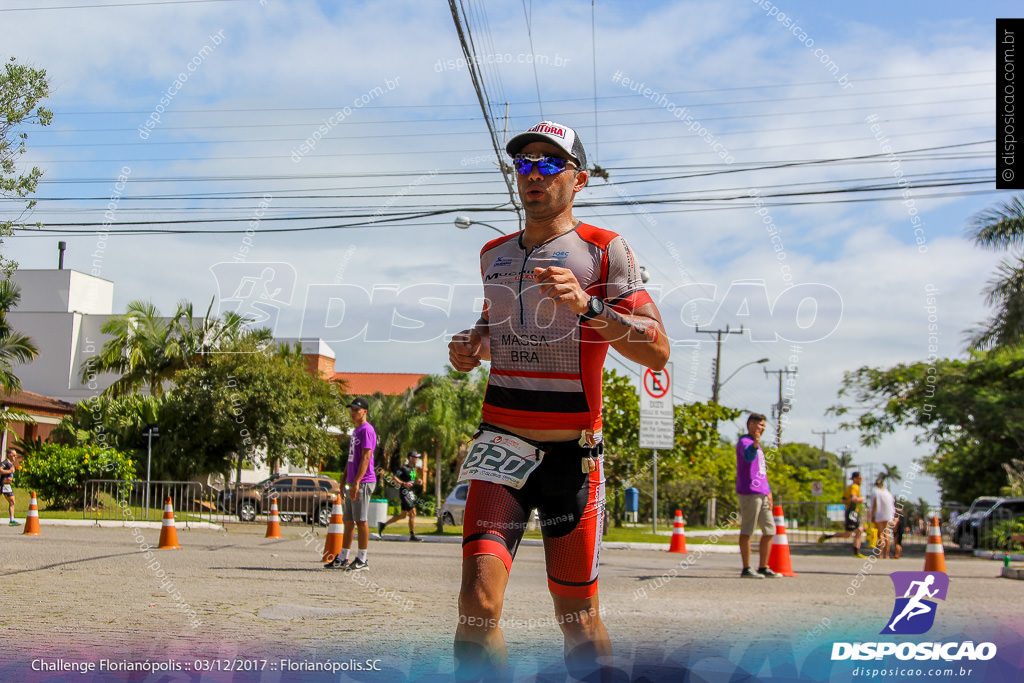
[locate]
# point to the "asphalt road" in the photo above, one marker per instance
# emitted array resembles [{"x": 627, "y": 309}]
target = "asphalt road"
[{"x": 229, "y": 599}]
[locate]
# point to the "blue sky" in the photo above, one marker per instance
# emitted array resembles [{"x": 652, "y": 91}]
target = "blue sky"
[{"x": 791, "y": 102}]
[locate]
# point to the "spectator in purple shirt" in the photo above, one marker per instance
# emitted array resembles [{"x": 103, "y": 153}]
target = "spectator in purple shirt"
[
  {"x": 755, "y": 498},
  {"x": 361, "y": 478}
]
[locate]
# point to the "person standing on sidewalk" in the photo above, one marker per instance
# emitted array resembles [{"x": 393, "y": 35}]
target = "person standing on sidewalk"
[
  {"x": 851, "y": 523},
  {"x": 361, "y": 478},
  {"x": 406, "y": 475},
  {"x": 755, "y": 497},
  {"x": 883, "y": 509},
  {"x": 7, "y": 483}
]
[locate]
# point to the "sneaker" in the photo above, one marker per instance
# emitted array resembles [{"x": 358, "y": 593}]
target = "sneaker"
[
  {"x": 822, "y": 538},
  {"x": 356, "y": 565},
  {"x": 14, "y": 522},
  {"x": 767, "y": 573},
  {"x": 380, "y": 529},
  {"x": 337, "y": 564},
  {"x": 414, "y": 538},
  {"x": 749, "y": 573},
  {"x": 859, "y": 555}
]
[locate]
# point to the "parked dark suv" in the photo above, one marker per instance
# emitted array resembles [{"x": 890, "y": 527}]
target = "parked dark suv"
[
  {"x": 984, "y": 514},
  {"x": 298, "y": 495}
]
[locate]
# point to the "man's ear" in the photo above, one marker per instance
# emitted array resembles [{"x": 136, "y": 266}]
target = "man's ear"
[{"x": 581, "y": 180}]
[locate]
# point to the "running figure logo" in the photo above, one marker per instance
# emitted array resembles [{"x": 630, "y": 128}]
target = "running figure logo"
[
  {"x": 916, "y": 592},
  {"x": 257, "y": 291}
]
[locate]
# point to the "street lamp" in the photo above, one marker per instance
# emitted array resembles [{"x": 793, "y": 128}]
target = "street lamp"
[
  {"x": 718, "y": 386},
  {"x": 463, "y": 223}
]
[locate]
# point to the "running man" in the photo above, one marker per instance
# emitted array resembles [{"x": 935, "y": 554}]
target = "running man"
[
  {"x": 851, "y": 521},
  {"x": 914, "y": 606},
  {"x": 7, "y": 483},
  {"x": 406, "y": 475},
  {"x": 556, "y": 295}
]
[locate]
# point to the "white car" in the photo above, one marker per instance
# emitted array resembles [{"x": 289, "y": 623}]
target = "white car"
[{"x": 453, "y": 511}]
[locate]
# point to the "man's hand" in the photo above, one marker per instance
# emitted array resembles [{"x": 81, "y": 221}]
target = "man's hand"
[
  {"x": 353, "y": 491},
  {"x": 560, "y": 285},
  {"x": 464, "y": 350}
]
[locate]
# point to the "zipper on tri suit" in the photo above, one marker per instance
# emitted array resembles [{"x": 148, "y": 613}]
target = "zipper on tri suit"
[{"x": 522, "y": 274}]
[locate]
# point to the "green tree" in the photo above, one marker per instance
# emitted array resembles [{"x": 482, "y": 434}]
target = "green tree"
[
  {"x": 1001, "y": 227},
  {"x": 59, "y": 472},
  {"x": 690, "y": 473},
  {"x": 251, "y": 405},
  {"x": 15, "y": 347},
  {"x": 969, "y": 411},
  {"x": 22, "y": 88}
]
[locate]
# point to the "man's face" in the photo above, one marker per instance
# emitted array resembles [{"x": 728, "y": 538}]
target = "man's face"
[
  {"x": 357, "y": 414},
  {"x": 547, "y": 196},
  {"x": 756, "y": 428}
]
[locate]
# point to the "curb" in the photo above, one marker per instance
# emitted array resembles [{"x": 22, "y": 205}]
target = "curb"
[
  {"x": 111, "y": 524},
  {"x": 1013, "y": 573},
  {"x": 991, "y": 555}
]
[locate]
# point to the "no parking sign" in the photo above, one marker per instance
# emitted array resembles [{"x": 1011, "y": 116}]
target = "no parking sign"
[{"x": 657, "y": 429}]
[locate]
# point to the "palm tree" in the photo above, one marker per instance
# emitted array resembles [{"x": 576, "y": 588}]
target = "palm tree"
[
  {"x": 15, "y": 347},
  {"x": 845, "y": 461},
  {"x": 147, "y": 349},
  {"x": 138, "y": 351},
  {"x": 890, "y": 473},
  {"x": 1001, "y": 227}
]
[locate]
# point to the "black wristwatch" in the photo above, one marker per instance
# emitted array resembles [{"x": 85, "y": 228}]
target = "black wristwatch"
[{"x": 595, "y": 307}]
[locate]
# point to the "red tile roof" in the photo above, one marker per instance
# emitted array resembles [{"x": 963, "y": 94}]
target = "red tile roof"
[
  {"x": 32, "y": 402},
  {"x": 387, "y": 383}
]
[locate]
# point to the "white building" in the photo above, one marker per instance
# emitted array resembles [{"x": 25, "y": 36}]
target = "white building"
[{"x": 62, "y": 311}]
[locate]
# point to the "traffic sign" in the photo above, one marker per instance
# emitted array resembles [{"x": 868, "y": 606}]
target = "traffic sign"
[
  {"x": 817, "y": 488},
  {"x": 657, "y": 418}
]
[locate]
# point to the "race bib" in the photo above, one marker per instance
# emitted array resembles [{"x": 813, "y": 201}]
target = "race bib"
[{"x": 501, "y": 459}]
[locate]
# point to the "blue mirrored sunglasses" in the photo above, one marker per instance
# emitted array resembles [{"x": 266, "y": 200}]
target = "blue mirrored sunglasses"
[{"x": 546, "y": 165}]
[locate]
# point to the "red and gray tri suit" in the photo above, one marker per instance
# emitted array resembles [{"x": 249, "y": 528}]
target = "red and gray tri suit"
[{"x": 546, "y": 374}]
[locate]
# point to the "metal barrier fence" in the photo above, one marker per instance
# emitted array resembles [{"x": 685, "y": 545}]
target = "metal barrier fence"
[
  {"x": 806, "y": 521},
  {"x": 129, "y": 501}
]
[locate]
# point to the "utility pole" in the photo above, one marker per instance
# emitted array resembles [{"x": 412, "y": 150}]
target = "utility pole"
[
  {"x": 782, "y": 407},
  {"x": 715, "y": 386},
  {"x": 823, "y": 434}
]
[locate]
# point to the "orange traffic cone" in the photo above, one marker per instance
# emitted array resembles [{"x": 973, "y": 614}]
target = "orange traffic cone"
[
  {"x": 273, "y": 521},
  {"x": 335, "y": 533},
  {"x": 778, "y": 559},
  {"x": 32, "y": 518},
  {"x": 678, "y": 535},
  {"x": 934, "y": 556},
  {"x": 168, "y": 532}
]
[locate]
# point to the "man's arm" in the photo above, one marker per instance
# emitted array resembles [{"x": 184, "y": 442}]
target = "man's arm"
[{"x": 639, "y": 336}]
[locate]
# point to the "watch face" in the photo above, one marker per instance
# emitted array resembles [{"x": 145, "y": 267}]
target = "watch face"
[{"x": 596, "y": 306}]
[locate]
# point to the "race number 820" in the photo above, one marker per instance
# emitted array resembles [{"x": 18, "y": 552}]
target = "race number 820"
[{"x": 490, "y": 462}]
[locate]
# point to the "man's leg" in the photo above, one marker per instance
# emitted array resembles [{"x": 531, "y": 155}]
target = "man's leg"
[
  {"x": 587, "y": 647},
  {"x": 10, "y": 506},
  {"x": 745, "y": 550},
  {"x": 856, "y": 539},
  {"x": 479, "y": 643},
  {"x": 363, "y": 532},
  {"x": 763, "y": 550},
  {"x": 412, "y": 522}
]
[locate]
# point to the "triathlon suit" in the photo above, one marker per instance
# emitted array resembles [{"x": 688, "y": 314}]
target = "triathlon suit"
[
  {"x": 406, "y": 497},
  {"x": 852, "y": 518},
  {"x": 546, "y": 374}
]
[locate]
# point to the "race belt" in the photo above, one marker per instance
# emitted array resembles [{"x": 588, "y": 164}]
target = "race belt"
[{"x": 500, "y": 458}]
